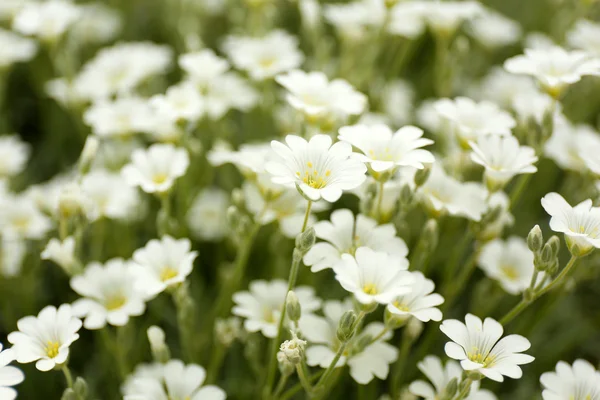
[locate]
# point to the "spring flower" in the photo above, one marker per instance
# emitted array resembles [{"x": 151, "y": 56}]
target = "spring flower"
[
  {"x": 420, "y": 302},
  {"x": 470, "y": 119},
  {"x": 509, "y": 262},
  {"x": 580, "y": 224},
  {"x": 14, "y": 48},
  {"x": 110, "y": 294},
  {"x": 110, "y": 195},
  {"x": 313, "y": 94},
  {"x": 440, "y": 375},
  {"x": 503, "y": 88},
  {"x": 261, "y": 305},
  {"x": 502, "y": 158},
  {"x": 384, "y": 150},
  {"x": 570, "y": 144},
  {"x": 97, "y": 24},
  {"x": 365, "y": 363},
  {"x": 163, "y": 263},
  {"x": 493, "y": 29},
  {"x": 48, "y": 20},
  {"x": 9, "y": 375},
  {"x": 338, "y": 239},
  {"x": 579, "y": 381},
  {"x": 264, "y": 57},
  {"x": 554, "y": 68},
  {"x": 585, "y": 35},
  {"x": 121, "y": 117},
  {"x": 397, "y": 101},
  {"x": 407, "y": 19},
  {"x": 373, "y": 276},
  {"x": 494, "y": 229},
  {"x": 45, "y": 338},
  {"x": 444, "y": 18},
  {"x": 479, "y": 348},
  {"x": 203, "y": 66},
  {"x": 173, "y": 380},
  {"x": 14, "y": 154},
  {"x": 293, "y": 349},
  {"x": 316, "y": 168},
  {"x": 156, "y": 168},
  {"x": 61, "y": 252},
  {"x": 591, "y": 158},
  {"x": 182, "y": 102},
  {"x": 206, "y": 217},
  {"x": 352, "y": 20},
  {"x": 20, "y": 217},
  {"x": 12, "y": 256}
]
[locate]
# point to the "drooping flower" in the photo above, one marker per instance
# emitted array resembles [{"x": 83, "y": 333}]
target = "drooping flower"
[
  {"x": 45, "y": 338},
  {"x": 478, "y": 347},
  {"x": 579, "y": 381},
  {"x": 9, "y": 375},
  {"x": 420, "y": 302},
  {"x": 344, "y": 234},
  {"x": 317, "y": 168}
]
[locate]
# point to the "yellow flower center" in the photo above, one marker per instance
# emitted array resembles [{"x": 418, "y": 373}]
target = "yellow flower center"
[
  {"x": 268, "y": 315},
  {"x": 313, "y": 178},
  {"x": 21, "y": 223},
  {"x": 370, "y": 288},
  {"x": 159, "y": 178},
  {"x": 510, "y": 272},
  {"x": 115, "y": 302},
  {"x": 52, "y": 348},
  {"x": 401, "y": 306},
  {"x": 479, "y": 358},
  {"x": 167, "y": 273},
  {"x": 267, "y": 62}
]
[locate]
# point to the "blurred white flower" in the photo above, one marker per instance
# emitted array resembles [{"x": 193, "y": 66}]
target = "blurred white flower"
[
  {"x": 317, "y": 168},
  {"x": 365, "y": 363},
  {"x": 420, "y": 302},
  {"x": 203, "y": 66},
  {"x": 14, "y": 153},
  {"x": 14, "y": 49},
  {"x": 570, "y": 144},
  {"x": 407, "y": 19},
  {"x": 591, "y": 158},
  {"x": 440, "y": 376},
  {"x": 163, "y": 263},
  {"x": 313, "y": 94},
  {"x": 353, "y": 19},
  {"x": 384, "y": 150},
  {"x": 554, "y": 68},
  {"x": 428, "y": 117},
  {"x": 261, "y": 305},
  {"x": 344, "y": 234},
  {"x": 310, "y": 13},
  {"x": 579, "y": 381},
  {"x": 121, "y": 117},
  {"x": 9, "y": 375},
  {"x": 111, "y": 196},
  {"x": 539, "y": 41},
  {"x": 45, "y": 338},
  {"x": 509, "y": 262},
  {"x": 12, "y": 256},
  {"x": 397, "y": 101},
  {"x": 173, "y": 380},
  {"x": 373, "y": 276},
  {"x": 47, "y": 20},
  {"x": 580, "y": 224},
  {"x": 479, "y": 348},
  {"x": 110, "y": 294},
  {"x": 585, "y": 35},
  {"x": 534, "y": 105},
  {"x": 495, "y": 228},
  {"x": 444, "y": 18},
  {"x": 20, "y": 218},
  {"x": 504, "y": 88},
  {"x": 97, "y": 24},
  {"x": 493, "y": 29},
  {"x": 156, "y": 168},
  {"x": 9, "y": 8},
  {"x": 207, "y": 216},
  {"x": 503, "y": 158},
  {"x": 263, "y": 58},
  {"x": 181, "y": 102},
  {"x": 61, "y": 252}
]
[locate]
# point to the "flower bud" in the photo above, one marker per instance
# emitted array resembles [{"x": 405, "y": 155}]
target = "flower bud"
[
  {"x": 160, "y": 351},
  {"x": 546, "y": 255},
  {"x": 306, "y": 240},
  {"x": 227, "y": 330},
  {"x": 285, "y": 367},
  {"x": 294, "y": 311},
  {"x": 69, "y": 394},
  {"x": 393, "y": 321},
  {"x": 422, "y": 175},
  {"x": 535, "y": 239},
  {"x": 414, "y": 328},
  {"x": 406, "y": 196},
  {"x": 293, "y": 349},
  {"x": 81, "y": 388},
  {"x": 71, "y": 202},
  {"x": 345, "y": 329},
  {"x": 554, "y": 243},
  {"x": 450, "y": 389},
  {"x": 577, "y": 248}
]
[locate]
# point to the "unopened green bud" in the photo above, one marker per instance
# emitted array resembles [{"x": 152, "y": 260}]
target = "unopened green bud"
[
  {"x": 535, "y": 239},
  {"x": 345, "y": 329},
  {"x": 546, "y": 255},
  {"x": 554, "y": 243},
  {"x": 160, "y": 351},
  {"x": 293, "y": 308},
  {"x": 81, "y": 388},
  {"x": 422, "y": 175},
  {"x": 69, "y": 394},
  {"x": 450, "y": 389},
  {"x": 414, "y": 328},
  {"x": 233, "y": 217},
  {"x": 406, "y": 195},
  {"x": 306, "y": 240},
  {"x": 393, "y": 321},
  {"x": 363, "y": 341},
  {"x": 237, "y": 198}
]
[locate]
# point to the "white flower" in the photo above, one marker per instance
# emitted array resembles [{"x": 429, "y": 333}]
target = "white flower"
[
  {"x": 264, "y": 57},
  {"x": 338, "y": 239},
  {"x": 493, "y": 29},
  {"x": 440, "y": 375},
  {"x": 510, "y": 262},
  {"x": 203, "y": 66},
  {"x": 476, "y": 344},
  {"x": 445, "y": 18},
  {"x": 554, "y": 68},
  {"x": 181, "y": 102},
  {"x": 61, "y": 252},
  {"x": 570, "y": 145},
  {"x": 207, "y": 216},
  {"x": 261, "y": 306},
  {"x": 14, "y": 154},
  {"x": 109, "y": 294},
  {"x": 591, "y": 157},
  {"x": 442, "y": 193},
  {"x": 120, "y": 117},
  {"x": 14, "y": 48},
  {"x": 407, "y": 19},
  {"x": 97, "y": 24},
  {"x": 366, "y": 363},
  {"x": 580, "y": 224},
  {"x": 470, "y": 119},
  {"x": 45, "y": 338},
  {"x": 293, "y": 349},
  {"x": 9, "y": 375},
  {"x": 156, "y": 168},
  {"x": 12, "y": 255},
  {"x": 397, "y": 101},
  {"x": 420, "y": 302},
  {"x": 173, "y": 380},
  {"x": 534, "y": 105},
  {"x": 111, "y": 196},
  {"x": 373, "y": 276},
  {"x": 384, "y": 150},
  {"x": 316, "y": 168},
  {"x": 47, "y": 20},
  {"x": 504, "y": 88},
  {"x": 502, "y": 158},
  {"x": 163, "y": 263},
  {"x": 585, "y": 35},
  {"x": 20, "y": 218},
  {"x": 354, "y": 18},
  {"x": 313, "y": 94},
  {"x": 577, "y": 382}
]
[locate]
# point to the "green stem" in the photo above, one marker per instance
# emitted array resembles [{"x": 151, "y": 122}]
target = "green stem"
[
  {"x": 399, "y": 367},
  {"x": 281, "y": 385},
  {"x": 185, "y": 320},
  {"x": 524, "y": 303},
  {"x": 68, "y": 376},
  {"x": 298, "y": 387},
  {"x": 465, "y": 390},
  {"x": 518, "y": 190},
  {"x": 164, "y": 214},
  {"x": 457, "y": 255},
  {"x": 305, "y": 223},
  {"x": 380, "y": 335},
  {"x": 378, "y": 212},
  {"x": 457, "y": 286},
  {"x": 304, "y": 379},
  {"x": 216, "y": 360}
]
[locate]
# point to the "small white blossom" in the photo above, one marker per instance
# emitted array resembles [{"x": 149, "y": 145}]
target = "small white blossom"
[
  {"x": 570, "y": 144},
  {"x": 45, "y": 338},
  {"x": 352, "y": 20},
  {"x": 503, "y": 88},
  {"x": 14, "y": 49},
  {"x": 579, "y": 381},
  {"x": 293, "y": 349},
  {"x": 47, "y": 20},
  {"x": 9, "y": 375},
  {"x": 444, "y": 18},
  {"x": 407, "y": 19},
  {"x": 111, "y": 196},
  {"x": 21, "y": 218},
  {"x": 203, "y": 66},
  {"x": 97, "y": 24},
  {"x": 207, "y": 216},
  {"x": 182, "y": 102},
  {"x": 121, "y": 117},
  {"x": 493, "y": 29},
  {"x": 585, "y": 35},
  {"x": 397, "y": 101},
  {"x": 420, "y": 302},
  {"x": 14, "y": 154},
  {"x": 479, "y": 348},
  {"x": 12, "y": 256},
  {"x": 61, "y": 252}
]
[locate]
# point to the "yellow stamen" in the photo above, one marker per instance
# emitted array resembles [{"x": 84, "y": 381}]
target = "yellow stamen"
[
  {"x": 115, "y": 302},
  {"x": 510, "y": 272},
  {"x": 52, "y": 348},
  {"x": 370, "y": 288},
  {"x": 159, "y": 178},
  {"x": 167, "y": 273}
]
